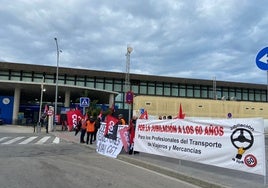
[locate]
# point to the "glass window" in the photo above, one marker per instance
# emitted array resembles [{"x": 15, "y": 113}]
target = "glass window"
[
  {"x": 257, "y": 95},
  {"x": 38, "y": 77},
  {"x": 159, "y": 89},
  {"x": 80, "y": 81},
  {"x": 245, "y": 95},
  {"x": 70, "y": 80},
  {"x": 49, "y": 78},
  {"x": 238, "y": 94},
  {"x": 143, "y": 88},
  {"x": 61, "y": 79},
  {"x": 15, "y": 76},
  {"x": 197, "y": 92},
  {"x": 90, "y": 82},
  {"x": 225, "y": 93},
  {"x": 108, "y": 86},
  {"x": 167, "y": 89},
  {"x": 99, "y": 85},
  {"x": 4, "y": 75},
  {"x": 151, "y": 88},
  {"x": 211, "y": 93},
  {"x": 219, "y": 93},
  {"x": 119, "y": 97},
  {"x": 190, "y": 91},
  {"x": 118, "y": 86},
  {"x": 182, "y": 91},
  {"x": 263, "y": 96},
  {"x": 27, "y": 76},
  {"x": 135, "y": 88},
  {"x": 174, "y": 90},
  {"x": 232, "y": 94},
  {"x": 204, "y": 92},
  {"x": 251, "y": 95}
]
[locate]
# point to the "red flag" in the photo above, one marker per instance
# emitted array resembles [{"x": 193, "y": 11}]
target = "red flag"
[
  {"x": 73, "y": 116},
  {"x": 100, "y": 115},
  {"x": 144, "y": 115},
  {"x": 181, "y": 115},
  {"x": 110, "y": 122},
  {"x": 124, "y": 134},
  {"x": 131, "y": 133}
]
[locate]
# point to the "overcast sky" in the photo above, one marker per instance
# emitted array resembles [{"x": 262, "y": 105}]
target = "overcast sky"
[{"x": 199, "y": 39}]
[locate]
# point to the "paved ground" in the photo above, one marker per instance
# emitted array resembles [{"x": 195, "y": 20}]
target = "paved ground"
[{"x": 202, "y": 175}]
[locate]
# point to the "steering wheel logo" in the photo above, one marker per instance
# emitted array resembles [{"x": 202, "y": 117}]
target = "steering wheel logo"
[{"x": 242, "y": 139}]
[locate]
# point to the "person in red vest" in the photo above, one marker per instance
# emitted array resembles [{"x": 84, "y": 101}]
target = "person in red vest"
[{"x": 90, "y": 129}]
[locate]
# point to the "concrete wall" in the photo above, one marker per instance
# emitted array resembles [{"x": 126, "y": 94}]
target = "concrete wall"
[{"x": 160, "y": 106}]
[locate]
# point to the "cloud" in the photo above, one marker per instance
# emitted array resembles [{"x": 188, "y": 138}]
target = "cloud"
[{"x": 193, "y": 39}]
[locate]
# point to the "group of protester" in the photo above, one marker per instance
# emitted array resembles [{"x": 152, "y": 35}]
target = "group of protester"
[{"x": 90, "y": 126}]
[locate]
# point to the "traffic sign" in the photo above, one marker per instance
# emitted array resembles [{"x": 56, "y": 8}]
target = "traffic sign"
[
  {"x": 129, "y": 97},
  {"x": 84, "y": 101},
  {"x": 262, "y": 59}
]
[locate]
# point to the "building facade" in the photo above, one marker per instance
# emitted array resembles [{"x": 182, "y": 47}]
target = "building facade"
[{"x": 22, "y": 83}]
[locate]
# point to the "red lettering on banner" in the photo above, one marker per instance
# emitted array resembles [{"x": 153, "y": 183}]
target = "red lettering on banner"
[
  {"x": 210, "y": 130},
  {"x": 214, "y": 130},
  {"x": 188, "y": 129}
]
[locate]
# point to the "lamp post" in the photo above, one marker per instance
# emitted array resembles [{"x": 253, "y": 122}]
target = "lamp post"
[
  {"x": 40, "y": 107},
  {"x": 57, "y": 78},
  {"x": 127, "y": 81}
]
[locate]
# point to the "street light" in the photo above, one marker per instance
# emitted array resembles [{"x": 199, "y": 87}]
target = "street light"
[
  {"x": 127, "y": 81},
  {"x": 40, "y": 107},
  {"x": 57, "y": 78}
]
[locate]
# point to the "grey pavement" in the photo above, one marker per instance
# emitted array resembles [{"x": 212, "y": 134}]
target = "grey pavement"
[{"x": 195, "y": 173}]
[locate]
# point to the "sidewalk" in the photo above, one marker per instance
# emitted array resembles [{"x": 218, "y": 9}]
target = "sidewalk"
[{"x": 195, "y": 173}]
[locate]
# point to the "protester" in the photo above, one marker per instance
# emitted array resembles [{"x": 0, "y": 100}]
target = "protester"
[
  {"x": 44, "y": 121},
  {"x": 121, "y": 121},
  {"x": 83, "y": 130},
  {"x": 97, "y": 126},
  {"x": 132, "y": 128},
  {"x": 90, "y": 129},
  {"x": 78, "y": 127}
]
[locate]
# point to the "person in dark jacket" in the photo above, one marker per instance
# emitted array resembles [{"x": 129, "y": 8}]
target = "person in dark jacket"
[
  {"x": 97, "y": 126},
  {"x": 78, "y": 127}
]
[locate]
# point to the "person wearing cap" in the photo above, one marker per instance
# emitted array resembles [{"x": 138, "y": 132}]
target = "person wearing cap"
[{"x": 121, "y": 121}]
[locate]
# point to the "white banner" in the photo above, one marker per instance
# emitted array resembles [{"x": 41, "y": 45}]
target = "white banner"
[
  {"x": 229, "y": 143},
  {"x": 106, "y": 146}
]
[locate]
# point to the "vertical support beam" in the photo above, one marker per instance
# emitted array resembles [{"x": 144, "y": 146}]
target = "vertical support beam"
[
  {"x": 67, "y": 98},
  {"x": 111, "y": 100},
  {"x": 16, "y": 105}
]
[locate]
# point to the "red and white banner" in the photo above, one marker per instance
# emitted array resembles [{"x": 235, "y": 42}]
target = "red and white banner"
[
  {"x": 73, "y": 116},
  {"x": 124, "y": 135},
  {"x": 111, "y": 127},
  {"x": 107, "y": 146},
  {"x": 236, "y": 144}
]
